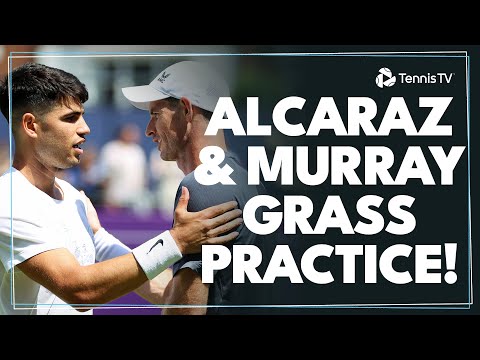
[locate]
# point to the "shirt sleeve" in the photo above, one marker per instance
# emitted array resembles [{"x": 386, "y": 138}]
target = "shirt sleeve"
[
  {"x": 201, "y": 197},
  {"x": 21, "y": 239},
  {"x": 107, "y": 246}
]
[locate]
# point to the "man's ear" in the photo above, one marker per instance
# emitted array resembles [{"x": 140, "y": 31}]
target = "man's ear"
[
  {"x": 187, "y": 108},
  {"x": 30, "y": 125}
]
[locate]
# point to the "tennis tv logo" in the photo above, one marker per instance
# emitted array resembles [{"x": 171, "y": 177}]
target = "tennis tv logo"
[{"x": 385, "y": 78}]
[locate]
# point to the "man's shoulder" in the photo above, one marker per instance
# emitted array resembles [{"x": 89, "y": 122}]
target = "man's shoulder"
[
  {"x": 190, "y": 182},
  {"x": 5, "y": 178},
  {"x": 203, "y": 196},
  {"x": 11, "y": 178},
  {"x": 67, "y": 187},
  {"x": 233, "y": 159},
  {"x": 189, "y": 179},
  {"x": 15, "y": 187},
  {"x": 65, "y": 183},
  {"x": 5, "y": 190}
]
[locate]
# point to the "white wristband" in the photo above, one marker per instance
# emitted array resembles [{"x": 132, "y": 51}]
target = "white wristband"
[{"x": 157, "y": 254}]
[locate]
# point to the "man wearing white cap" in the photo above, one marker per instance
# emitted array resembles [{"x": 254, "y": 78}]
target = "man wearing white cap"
[{"x": 181, "y": 100}]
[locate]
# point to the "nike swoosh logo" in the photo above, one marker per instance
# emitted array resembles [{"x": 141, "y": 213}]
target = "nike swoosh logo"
[{"x": 158, "y": 242}]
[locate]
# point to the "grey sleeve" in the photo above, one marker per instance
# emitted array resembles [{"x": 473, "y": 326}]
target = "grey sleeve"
[{"x": 201, "y": 197}]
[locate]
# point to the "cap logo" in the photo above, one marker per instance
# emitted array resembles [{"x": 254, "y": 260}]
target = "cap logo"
[{"x": 163, "y": 77}]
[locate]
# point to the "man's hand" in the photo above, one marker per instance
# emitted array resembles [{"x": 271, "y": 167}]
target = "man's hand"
[
  {"x": 92, "y": 215},
  {"x": 191, "y": 230}
]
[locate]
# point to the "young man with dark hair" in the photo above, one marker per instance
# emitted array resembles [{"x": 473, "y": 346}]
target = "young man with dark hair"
[{"x": 56, "y": 258}]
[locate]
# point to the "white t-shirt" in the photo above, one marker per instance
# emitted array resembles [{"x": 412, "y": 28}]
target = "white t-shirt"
[{"x": 40, "y": 223}]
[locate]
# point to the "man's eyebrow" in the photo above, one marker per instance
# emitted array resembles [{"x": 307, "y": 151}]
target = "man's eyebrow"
[{"x": 69, "y": 114}]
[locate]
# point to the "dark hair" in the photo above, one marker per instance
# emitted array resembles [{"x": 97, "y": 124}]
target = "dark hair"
[{"x": 37, "y": 88}]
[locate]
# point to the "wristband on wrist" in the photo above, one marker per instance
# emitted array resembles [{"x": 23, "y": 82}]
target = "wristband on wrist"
[{"x": 157, "y": 254}]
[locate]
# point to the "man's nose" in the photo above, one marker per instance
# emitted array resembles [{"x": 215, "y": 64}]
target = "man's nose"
[
  {"x": 149, "y": 131},
  {"x": 84, "y": 128}
]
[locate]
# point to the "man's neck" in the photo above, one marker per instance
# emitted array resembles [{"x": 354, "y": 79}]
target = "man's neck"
[
  {"x": 39, "y": 175},
  {"x": 190, "y": 158}
]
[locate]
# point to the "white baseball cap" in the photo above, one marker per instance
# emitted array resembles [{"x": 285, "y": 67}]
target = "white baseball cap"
[{"x": 194, "y": 80}]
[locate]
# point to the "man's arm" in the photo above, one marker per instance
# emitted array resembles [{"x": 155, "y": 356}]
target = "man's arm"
[
  {"x": 186, "y": 289},
  {"x": 191, "y": 230},
  {"x": 60, "y": 272},
  {"x": 154, "y": 291},
  {"x": 109, "y": 247}
]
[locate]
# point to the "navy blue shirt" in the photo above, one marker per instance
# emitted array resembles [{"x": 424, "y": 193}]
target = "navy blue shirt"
[{"x": 222, "y": 291}]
